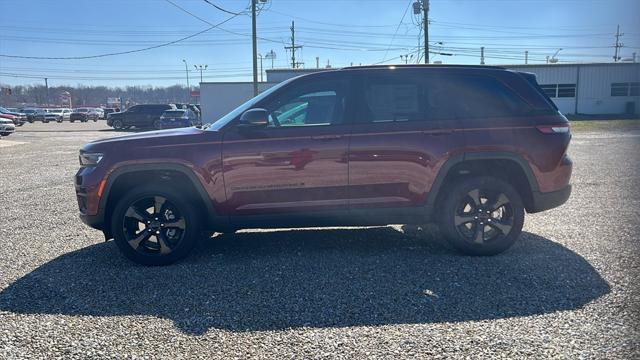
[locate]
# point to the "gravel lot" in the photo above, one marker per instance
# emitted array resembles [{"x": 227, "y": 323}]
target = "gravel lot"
[{"x": 568, "y": 289}]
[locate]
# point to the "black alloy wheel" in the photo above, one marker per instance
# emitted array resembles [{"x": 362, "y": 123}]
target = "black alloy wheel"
[
  {"x": 152, "y": 225},
  {"x": 483, "y": 216},
  {"x": 118, "y": 125}
]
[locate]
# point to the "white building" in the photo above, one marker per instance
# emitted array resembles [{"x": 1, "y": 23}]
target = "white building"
[{"x": 588, "y": 89}]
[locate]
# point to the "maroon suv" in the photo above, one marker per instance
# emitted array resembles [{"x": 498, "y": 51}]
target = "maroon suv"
[{"x": 471, "y": 148}]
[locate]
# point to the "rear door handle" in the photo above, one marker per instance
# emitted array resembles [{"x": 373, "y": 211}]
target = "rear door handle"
[{"x": 326, "y": 137}]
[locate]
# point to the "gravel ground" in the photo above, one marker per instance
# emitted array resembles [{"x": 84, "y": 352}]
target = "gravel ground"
[{"x": 568, "y": 289}]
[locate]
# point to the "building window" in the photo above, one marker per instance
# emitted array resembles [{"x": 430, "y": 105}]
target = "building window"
[
  {"x": 559, "y": 90},
  {"x": 566, "y": 90},
  {"x": 625, "y": 89},
  {"x": 550, "y": 90}
]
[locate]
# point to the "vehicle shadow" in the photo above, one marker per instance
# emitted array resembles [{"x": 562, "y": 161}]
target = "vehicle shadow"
[{"x": 312, "y": 278}]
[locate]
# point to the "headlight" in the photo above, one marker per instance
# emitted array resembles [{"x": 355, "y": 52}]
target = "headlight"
[{"x": 90, "y": 159}]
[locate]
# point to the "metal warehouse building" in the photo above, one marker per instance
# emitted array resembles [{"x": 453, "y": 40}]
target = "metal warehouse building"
[{"x": 587, "y": 89}]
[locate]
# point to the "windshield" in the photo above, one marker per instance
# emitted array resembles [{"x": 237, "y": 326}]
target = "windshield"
[
  {"x": 56, "y": 111},
  {"x": 82, "y": 110},
  {"x": 3, "y": 110},
  {"x": 244, "y": 107}
]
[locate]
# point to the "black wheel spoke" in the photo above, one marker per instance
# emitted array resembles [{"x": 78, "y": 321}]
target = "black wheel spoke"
[
  {"x": 475, "y": 196},
  {"x": 478, "y": 236},
  {"x": 180, "y": 224},
  {"x": 504, "y": 228},
  {"x": 140, "y": 237},
  {"x": 135, "y": 213},
  {"x": 500, "y": 201},
  {"x": 157, "y": 204},
  {"x": 164, "y": 243},
  {"x": 463, "y": 219}
]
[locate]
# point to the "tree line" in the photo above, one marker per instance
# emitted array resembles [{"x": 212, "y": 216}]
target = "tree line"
[{"x": 33, "y": 95}]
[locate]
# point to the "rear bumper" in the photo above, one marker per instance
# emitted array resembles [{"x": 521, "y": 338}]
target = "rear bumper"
[{"x": 549, "y": 200}]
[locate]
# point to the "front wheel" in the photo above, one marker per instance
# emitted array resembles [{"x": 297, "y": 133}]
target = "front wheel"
[
  {"x": 157, "y": 124},
  {"x": 118, "y": 125},
  {"x": 155, "y": 226},
  {"x": 482, "y": 216}
]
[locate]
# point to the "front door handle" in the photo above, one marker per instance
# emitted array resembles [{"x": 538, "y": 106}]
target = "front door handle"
[{"x": 326, "y": 137}]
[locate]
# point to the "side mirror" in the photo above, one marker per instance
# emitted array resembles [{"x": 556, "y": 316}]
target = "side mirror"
[{"x": 254, "y": 118}]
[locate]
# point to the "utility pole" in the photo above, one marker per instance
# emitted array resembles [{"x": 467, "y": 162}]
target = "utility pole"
[
  {"x": 46, "y": 86},
  {"x": 201, "y": 68},
  {"x": 526, "y": 57},
  {"x": 271, "y": 55},
  {"x": 425, "y": 9},
  {"x": 482, "y": 55},
  {"x": 317, "y": 62},
  {"x": 293, "y": 46},
  {"x": 618, "y": 45},
  {"x": 186, "y": 68},
  {"x": 255, "y": 47}
]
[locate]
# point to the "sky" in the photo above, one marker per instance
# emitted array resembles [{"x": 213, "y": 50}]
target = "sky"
[{"x": 338, "y": 32}]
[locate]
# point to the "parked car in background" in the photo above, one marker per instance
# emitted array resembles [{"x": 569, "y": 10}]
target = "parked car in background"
[
  {"x": 7, "y": 127},
  {"x": 108, "y": 111},
  {"x": 31, "y": 114},
  {"x": 140, "y": 116},
  {"x": 470, "y": 148},
  {"x": 45, "y": 116},
  {"x": 179, "y": 118},
  {"x": 63, "y": 114},
  {"x": 192, "y": 107},
  {"x": 18, "y": 118},
  {"x": 100, "y": 112},
  {"x": 83, "y": 115}
]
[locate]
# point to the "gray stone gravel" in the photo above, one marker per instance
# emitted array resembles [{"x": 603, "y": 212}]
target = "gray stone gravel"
[{"x": 568, "y": 289}]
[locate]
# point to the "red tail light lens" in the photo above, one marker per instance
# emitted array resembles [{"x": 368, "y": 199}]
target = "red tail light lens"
[{"x": 554, "y": 129}]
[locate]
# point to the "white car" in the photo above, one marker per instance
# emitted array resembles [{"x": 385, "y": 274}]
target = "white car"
[
  {"x": 63, "y": 114},
  {"x": 7, "y": 127}
]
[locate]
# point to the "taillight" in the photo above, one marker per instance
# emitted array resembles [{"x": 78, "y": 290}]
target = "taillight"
[{"x": 554, "y": 129}]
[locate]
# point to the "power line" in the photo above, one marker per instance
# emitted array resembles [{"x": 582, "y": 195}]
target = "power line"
[
  {"x": 397, "y": 28},
  {"x": 121, "y": 52},
  {"x": 224, "y": 10}
]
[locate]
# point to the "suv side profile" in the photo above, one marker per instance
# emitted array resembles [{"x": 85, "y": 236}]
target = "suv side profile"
[
  {"x": 140, "y": 116},
  {"x": 468, "y": 147}
]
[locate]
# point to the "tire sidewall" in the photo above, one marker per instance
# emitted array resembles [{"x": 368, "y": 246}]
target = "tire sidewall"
[
  {"x": 118, "y": 124},
  {"x": 190, "y": 214},
  {"x": 457, "y": 193}
]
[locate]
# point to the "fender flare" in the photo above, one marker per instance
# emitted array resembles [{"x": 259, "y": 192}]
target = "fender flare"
[
  {"x": 437, "y": 185},
  {"x": 212, "y": 216}
]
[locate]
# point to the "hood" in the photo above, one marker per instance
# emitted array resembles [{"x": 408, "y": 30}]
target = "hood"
[{"x": 149, "y": 138}]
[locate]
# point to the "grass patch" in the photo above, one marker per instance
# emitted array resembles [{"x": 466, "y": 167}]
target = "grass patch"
[{"x": 602, "y": 125}]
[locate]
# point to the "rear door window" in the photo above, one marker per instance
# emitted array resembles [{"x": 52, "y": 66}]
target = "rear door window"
[{"x": 392, "y": 97}]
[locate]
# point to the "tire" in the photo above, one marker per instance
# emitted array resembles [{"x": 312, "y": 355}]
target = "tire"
[
  {"x": 157, "y": 125},
  {"x": 489, "y": 214},
  {"x": 118, "y": 125},
  {"x": 45, "y": 121},
  {"x": 5, "y": 134},
  {"x": 135, "y": 232}
]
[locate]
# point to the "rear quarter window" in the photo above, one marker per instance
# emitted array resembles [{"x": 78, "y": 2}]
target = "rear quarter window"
[{"x": 471, "y": 97}]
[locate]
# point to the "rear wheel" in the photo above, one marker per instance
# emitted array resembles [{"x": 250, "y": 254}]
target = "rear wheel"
[
  {"x": 157, "y": 125},
  {"x": 482, "y": 216},
  {"x": 155, "y": 226}
]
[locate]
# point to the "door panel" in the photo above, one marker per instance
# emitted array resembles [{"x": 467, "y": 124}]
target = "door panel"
[
  {"x": 397, "y": 147},
  {"x": 285, "y": 169},
  {"x": 299, "y": 162}
]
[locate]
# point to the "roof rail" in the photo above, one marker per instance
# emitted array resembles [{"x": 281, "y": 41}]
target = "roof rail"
[{"x": 423, "y": 66}]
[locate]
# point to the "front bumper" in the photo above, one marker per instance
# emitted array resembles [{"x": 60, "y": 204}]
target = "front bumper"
[
  {"x": 7, "y": 128},
  {"x": 549, "y": 200}
]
